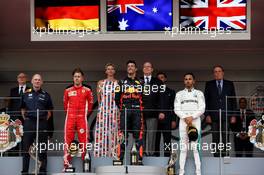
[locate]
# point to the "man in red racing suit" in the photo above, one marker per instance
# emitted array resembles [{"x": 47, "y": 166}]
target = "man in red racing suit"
[{"x": 78, "y": 102}]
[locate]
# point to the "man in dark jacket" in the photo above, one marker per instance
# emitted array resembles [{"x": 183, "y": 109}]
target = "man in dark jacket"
[
  {"x": 35, "y": 99},
  {"x": 152, "y": 103},
  {"x": 219, "y": 95},
  {"x": 168, "y": 123},
  {"x": 239, "y": 125},
  {"x": 14, "y": 106},
  {"x": 15, "y": 97}
]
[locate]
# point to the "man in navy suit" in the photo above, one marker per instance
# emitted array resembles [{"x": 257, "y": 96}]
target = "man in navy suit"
[
  {"x": 169, "y": 122},
  {"x": 239, "y": 124},
  {"x": 219, "y": 94}
]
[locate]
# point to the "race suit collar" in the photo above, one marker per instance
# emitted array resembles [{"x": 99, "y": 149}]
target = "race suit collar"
[
  {"x": 77, "y": 87},
  {"x": 189, "y": 90}
]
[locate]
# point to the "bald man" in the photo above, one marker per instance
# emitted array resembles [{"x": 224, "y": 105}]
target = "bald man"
[{"x": 35, "y": 99}]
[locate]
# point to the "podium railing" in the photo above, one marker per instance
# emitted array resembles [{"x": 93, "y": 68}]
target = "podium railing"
[{"x": 208, "y": 148}]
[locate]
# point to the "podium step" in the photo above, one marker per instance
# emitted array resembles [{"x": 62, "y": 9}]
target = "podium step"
[
  {"x": 146, "y": 170},
  {"x": 131, "y": 170},
  {"x": 210, "y": 166},
  {"x": 73, "y": 174},
  {"x": 110, "y": 170}
]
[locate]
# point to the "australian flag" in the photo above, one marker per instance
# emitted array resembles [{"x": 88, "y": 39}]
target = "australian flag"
[
  {"x": 139, "y": 15},
  {"x": 213, "y": 14}
]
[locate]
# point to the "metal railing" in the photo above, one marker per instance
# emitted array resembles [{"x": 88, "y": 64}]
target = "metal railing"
[{"x": 223, "y": 115}]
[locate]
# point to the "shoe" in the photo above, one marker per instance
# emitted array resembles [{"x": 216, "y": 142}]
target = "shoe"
[
  {"x": 24, "y": 173},
  {"x": 42, "y": 173},
  {"x": 68, "y": 168},
  {"x": 64, "y": 170},
  {"x": 198, "y": 172},
  {"x": 181, "y": 172}
]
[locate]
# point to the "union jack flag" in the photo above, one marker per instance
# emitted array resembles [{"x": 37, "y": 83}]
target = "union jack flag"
[
  {"x": 213, "y": 14},
  {"x": 123, "y": 5}
]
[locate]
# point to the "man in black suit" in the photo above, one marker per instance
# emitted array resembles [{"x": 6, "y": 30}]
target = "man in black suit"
[
  {"x": 14, "y": 106},
  {"x": 152, "y": 102},
  {"x": 16, "y": 94},
  {"x": 219, "y": 94},
  {"x": 239, "y": 125},
  {"x": 168, "y": 123}
]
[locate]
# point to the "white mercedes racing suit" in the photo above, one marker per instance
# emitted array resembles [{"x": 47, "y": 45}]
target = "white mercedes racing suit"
[{"x": 189, "y": 103}]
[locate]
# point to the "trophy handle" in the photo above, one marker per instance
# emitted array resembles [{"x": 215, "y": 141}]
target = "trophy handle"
[
  {"x": 32, "y": 154},
  {"x": 172, "y": 160}
]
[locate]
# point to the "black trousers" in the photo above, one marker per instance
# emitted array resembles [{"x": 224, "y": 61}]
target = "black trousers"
[
  {"x": 216, "y": 133},
  {"x": 134, "y": 121},
  {"x": 164, "y": 129},
  {"x": 243, "y": 146},
  {"x": 29, "y": 138}
]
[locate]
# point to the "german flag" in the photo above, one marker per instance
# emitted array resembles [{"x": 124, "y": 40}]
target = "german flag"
[{"x": 67, "y": 14}]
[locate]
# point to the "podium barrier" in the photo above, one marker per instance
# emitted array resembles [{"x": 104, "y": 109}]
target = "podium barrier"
[{"x": 131, "y": 170}]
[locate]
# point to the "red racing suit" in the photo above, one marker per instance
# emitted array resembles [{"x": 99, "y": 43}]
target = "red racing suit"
[{"x": 78, "y": 103}]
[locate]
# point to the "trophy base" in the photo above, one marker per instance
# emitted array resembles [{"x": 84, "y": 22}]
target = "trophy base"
[
  {"x": 140, "y": 162},
  {"x": 86, "y": 167},
  {"x": 137, "y": 164},
  {"x": 170, "y": 171},
  {"x": 69, "y": 170},
  {"x": 117, "y": 163}
]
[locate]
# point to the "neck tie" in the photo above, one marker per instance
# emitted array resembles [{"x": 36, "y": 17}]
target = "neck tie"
[
  {"x": 219, "y": 87},
  {"x": 244, "y": 119},
  {"x": 21, "y": 91},
  {"x": 147, "y": 80}
]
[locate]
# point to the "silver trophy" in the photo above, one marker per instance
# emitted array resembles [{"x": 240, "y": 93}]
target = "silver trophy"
[
  {"x": 256, "y": 133},
  {"x": 116, "y": 159},
  {"x": 32, "y": 154},
  {"x": 73, "y": 151}
]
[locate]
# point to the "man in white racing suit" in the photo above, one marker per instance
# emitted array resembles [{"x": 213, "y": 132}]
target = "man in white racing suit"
[{"x": 189, "y": 105}]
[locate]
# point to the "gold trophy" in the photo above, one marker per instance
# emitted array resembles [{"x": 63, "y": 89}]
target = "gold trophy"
[
  {"x": 171, "y": 163},
  {"x": 74, "y": 152}
]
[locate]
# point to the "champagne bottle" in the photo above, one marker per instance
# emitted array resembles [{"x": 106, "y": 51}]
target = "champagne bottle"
[
  {"x": 87, "y": 163},
  {"x": 134, "y": 155}
]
